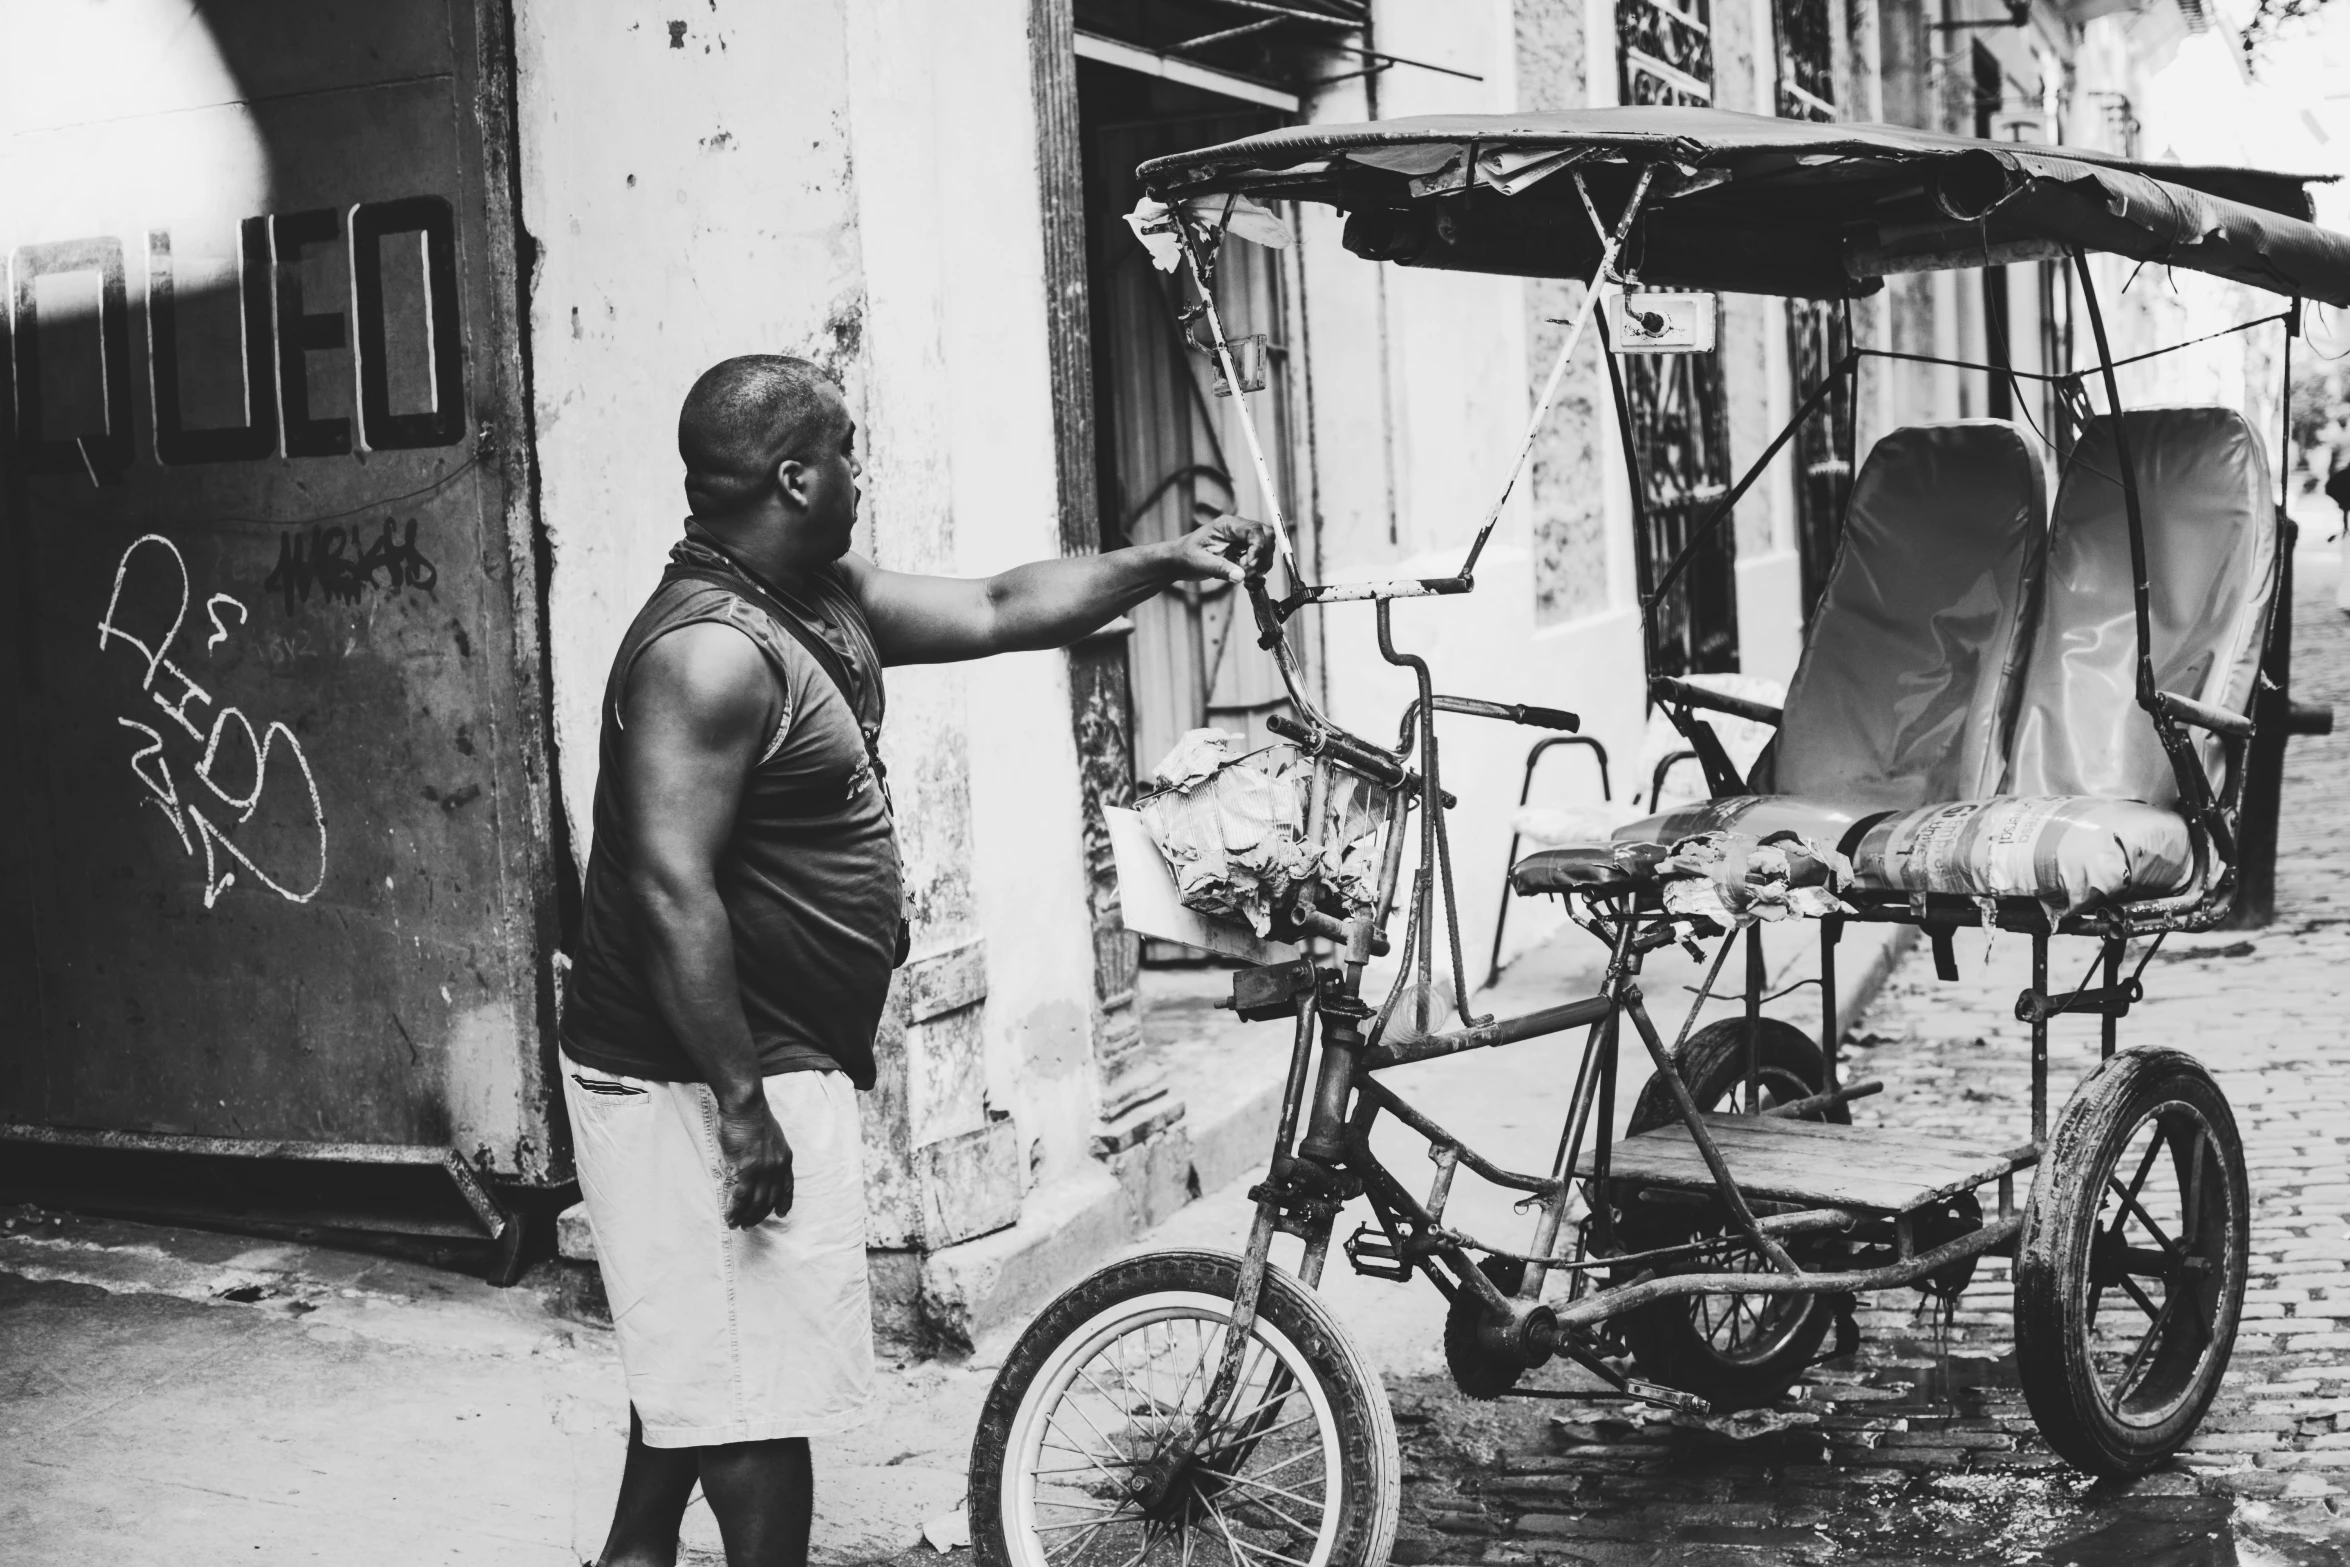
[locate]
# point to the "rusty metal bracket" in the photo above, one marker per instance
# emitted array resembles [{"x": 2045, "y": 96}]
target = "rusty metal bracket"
[
  {"x": 1262, "y": 994},
  {"x": 2115, "y": 1001}
]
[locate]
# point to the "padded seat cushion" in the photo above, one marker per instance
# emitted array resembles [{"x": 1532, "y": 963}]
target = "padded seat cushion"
[
  {"x": 1636, "y": 846},
  {"x": 2070, "y": 852},
  {"x": 1582, "y": 867},
  {"x": 1756, "y": 815}
]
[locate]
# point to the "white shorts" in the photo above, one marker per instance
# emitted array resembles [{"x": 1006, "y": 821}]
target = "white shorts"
[{"x": 727, "y": 1335}]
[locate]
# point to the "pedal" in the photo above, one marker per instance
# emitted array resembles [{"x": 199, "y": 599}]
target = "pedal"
[
  {"x": 1372, "y": 1253},
  {"x": 1668, "y": 1397}
]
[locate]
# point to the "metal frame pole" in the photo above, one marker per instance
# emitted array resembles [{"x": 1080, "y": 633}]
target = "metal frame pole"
[
  {"x": 2259, "y": 802},
  {"x": 1831, "y": 1034},
  {"x": 2039, "y": 1039},
  {"x": 1754, "y": 990},
  {"x": 2141, "y": 590}
]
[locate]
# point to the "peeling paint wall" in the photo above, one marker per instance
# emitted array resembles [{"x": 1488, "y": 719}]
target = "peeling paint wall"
[
  {"x": 688, "y": 191},
  {"x": 1026, "y": 864}
]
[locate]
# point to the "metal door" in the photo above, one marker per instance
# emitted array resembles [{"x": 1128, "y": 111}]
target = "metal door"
[{"x": 278, "y": 863}]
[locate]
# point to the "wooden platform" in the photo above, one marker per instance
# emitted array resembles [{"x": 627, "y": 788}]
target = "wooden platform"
[{"x": 1813, "y": 1163}]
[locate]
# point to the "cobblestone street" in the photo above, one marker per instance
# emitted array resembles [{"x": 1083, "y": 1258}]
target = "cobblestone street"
[{"x": 1920, "y": 1447}]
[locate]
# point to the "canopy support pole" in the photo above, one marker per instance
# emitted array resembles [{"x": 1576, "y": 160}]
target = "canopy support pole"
[
  {"x": 1205, "y": 278},
  {"x": 1612, "y": 244},
  {"x": 2195, "y": 794},
  {"x": 2140, "y": 587},
  {"x": 1639, "y": 492},
  {"x": 2277, "y": 717}
]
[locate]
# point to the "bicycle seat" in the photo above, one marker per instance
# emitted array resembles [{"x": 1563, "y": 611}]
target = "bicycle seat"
[{"x": 1582, "y": 867}]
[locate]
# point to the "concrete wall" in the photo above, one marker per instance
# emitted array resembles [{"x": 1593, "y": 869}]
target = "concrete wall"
[{"x": 690, "y": 198}]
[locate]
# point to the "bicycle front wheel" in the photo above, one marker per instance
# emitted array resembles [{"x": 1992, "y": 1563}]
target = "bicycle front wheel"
[{"x": 1086, "y": 1453}]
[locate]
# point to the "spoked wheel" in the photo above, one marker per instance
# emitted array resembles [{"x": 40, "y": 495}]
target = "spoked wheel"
[
  {"x": 2129, "y": 1271},
  {"x": 1086, "y": 1453},
  {"x": 1737, "y": 1351}
]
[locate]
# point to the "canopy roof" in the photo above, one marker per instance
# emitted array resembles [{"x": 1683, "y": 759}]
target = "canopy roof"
[{"x": 1750, "y": 204}]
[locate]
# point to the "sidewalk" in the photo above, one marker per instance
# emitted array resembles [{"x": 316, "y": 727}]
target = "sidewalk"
[{"x": 188, "y": 1399}]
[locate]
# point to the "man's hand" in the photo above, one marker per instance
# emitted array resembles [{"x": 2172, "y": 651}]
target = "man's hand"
[
  {"x": 1230, "y": 547},
  {"x": 758, "y": 1165}
]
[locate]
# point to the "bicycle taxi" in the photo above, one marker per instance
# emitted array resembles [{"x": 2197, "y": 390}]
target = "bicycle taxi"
[{"x": 2009, "y": 712}]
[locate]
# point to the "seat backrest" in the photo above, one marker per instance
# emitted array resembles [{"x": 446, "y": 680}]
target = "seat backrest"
[
  {"x": 2211, "y": 561},
  {"x": 1908, "y": 676}
]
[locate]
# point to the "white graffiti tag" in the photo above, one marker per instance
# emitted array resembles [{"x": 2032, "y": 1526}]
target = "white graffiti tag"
[{"x": 229, "y": 739}]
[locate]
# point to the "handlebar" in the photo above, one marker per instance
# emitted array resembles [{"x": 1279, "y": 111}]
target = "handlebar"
[
  {"x": 1360, "y": 755},
  {"x": 1511, "y": 713}
]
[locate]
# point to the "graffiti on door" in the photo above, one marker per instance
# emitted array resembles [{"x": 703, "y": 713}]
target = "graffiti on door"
[{"x": 242, "y": 767}]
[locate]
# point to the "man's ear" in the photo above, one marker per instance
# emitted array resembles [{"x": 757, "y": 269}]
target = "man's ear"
[{"x": 791, "y": 477}]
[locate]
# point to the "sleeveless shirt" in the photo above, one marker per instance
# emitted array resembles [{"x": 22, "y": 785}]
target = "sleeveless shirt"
[{"x": 810, "y": 876}]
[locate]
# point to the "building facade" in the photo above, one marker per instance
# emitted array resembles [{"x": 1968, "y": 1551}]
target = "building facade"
[{"x": 359, "y": 332}]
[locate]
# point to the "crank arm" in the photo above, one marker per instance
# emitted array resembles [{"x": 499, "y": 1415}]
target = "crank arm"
[{"x": 1666, "y": 1397}]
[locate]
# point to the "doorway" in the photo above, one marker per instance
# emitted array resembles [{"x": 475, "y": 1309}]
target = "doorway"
[{"x": 1169, "y": 451}]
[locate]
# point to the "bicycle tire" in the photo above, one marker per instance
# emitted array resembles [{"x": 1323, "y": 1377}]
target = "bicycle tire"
[{"x": 1361, "y": 1496}]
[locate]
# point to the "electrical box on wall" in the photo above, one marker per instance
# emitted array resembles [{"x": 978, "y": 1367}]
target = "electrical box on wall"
[{"x": 1654, "y": 322}]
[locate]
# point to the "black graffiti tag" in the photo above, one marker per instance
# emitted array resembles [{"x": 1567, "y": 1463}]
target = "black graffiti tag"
[{"x": 342, "y": 563}]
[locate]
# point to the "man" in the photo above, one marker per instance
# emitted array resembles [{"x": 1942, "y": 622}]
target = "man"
[{"x": 743, "y": 911}]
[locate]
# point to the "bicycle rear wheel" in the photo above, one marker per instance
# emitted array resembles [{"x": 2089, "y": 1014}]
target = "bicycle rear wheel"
[
  {"x": 1737, "y": 1351},
  {"x": 1083, "y": 1457},
  {"x": 2130, "y": 1268}
]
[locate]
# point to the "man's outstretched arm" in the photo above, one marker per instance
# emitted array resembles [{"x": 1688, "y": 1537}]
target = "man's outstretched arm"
[{"x": 1049, "y": 603}]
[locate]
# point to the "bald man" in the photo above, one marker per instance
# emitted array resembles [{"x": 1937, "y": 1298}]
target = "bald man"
[{"x": 743, "y": 911}]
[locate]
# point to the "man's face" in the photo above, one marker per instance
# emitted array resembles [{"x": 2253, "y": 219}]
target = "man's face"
[{"x": 829, "y": 479}]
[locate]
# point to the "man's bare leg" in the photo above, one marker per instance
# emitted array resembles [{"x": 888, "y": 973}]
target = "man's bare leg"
[
  {"x": 763, "y": 1496},
  {"x": 655, "y": 1485}
]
